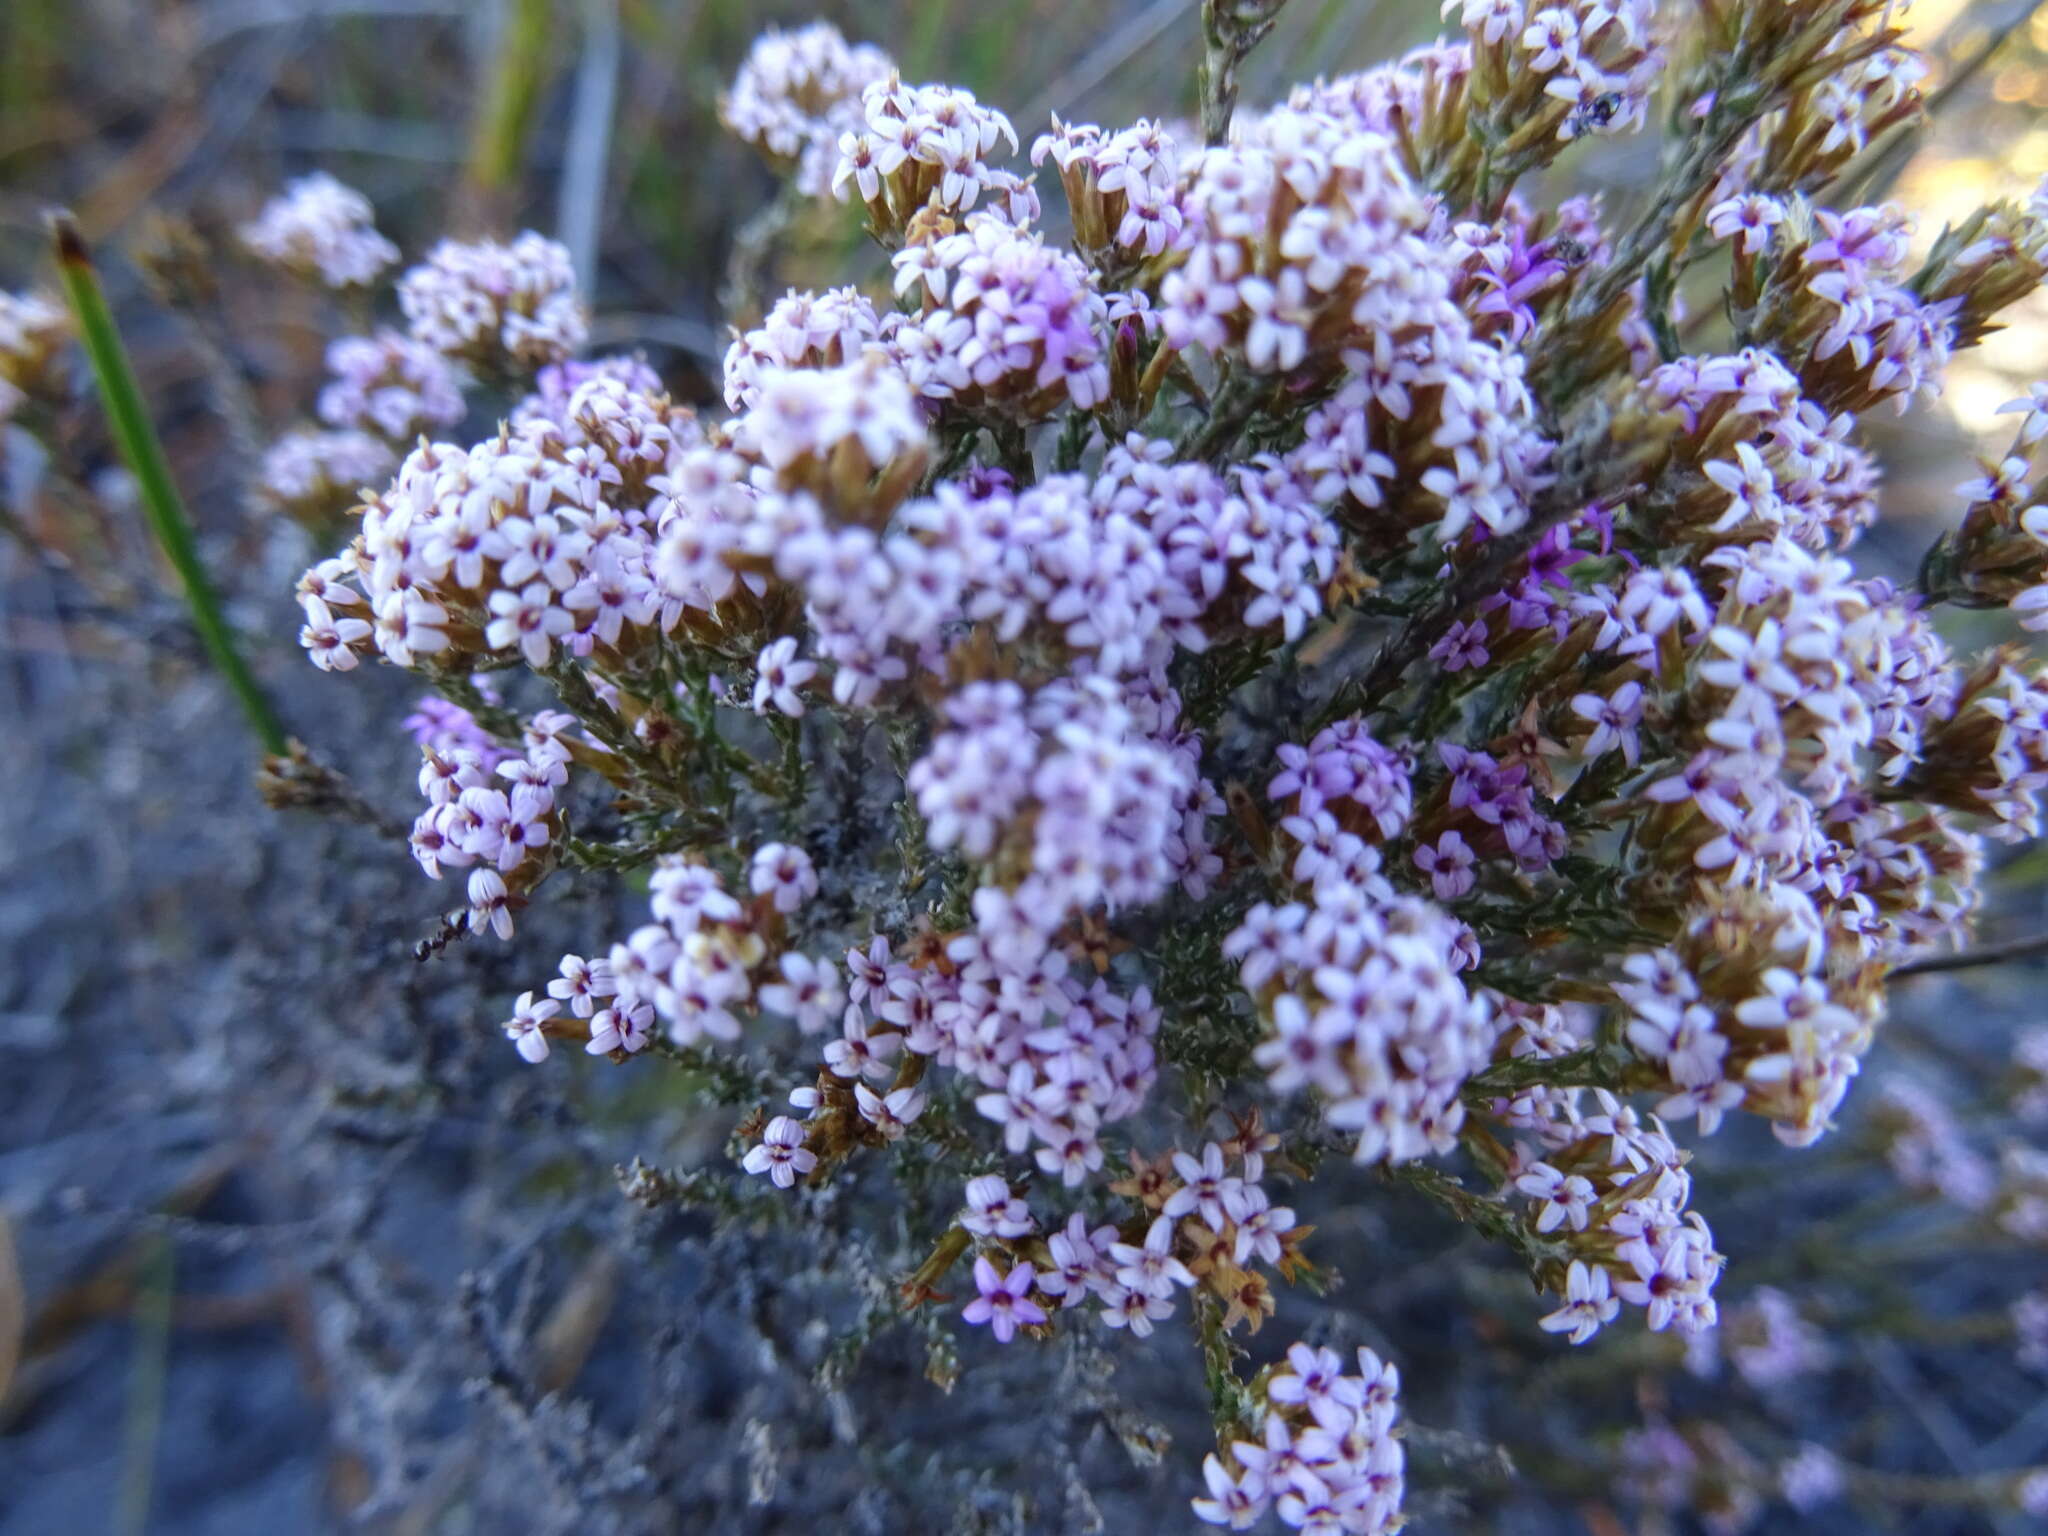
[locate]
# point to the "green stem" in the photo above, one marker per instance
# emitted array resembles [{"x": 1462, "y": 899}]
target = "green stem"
[
  {"x": 1229, "y": 1403},
  {"x": 144, "y": 454},
  {"x": 1592, "y": 1066},
  {"x": 1490, "y": 1218}
]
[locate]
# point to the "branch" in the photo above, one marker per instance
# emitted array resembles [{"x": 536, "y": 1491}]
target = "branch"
[
  {"x": 1592, "y": 1066},
  {"x": 1984, "y": 954},
  {"x": 1415, "y": 638},
  {"x": 1231, "y": 29}
]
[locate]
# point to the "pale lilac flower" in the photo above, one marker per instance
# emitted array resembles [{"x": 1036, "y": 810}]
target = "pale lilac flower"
[
  {"x": 2030, "y": 1494},
  {"x": 891, "y": 1113},
  {"x": 1561, "y": 1199},
  {"x": 527, "y": 1025},
  {"x": 786, "y": 872},
  {"x": 1314, "y": 1377},
  {"x": 809, "y": 992},
  {"x": 778, "y": 675},
  {"x": 1206, "y": 1189},
  {"x": 331, "y": 641},
  {"x": 1461, "y": 647},
  {"x": 1078, "y": 1257},
  {"x": 1004, "y": 1302},
  {"x": 1589, "y": 1304},
  {"x": 687, "y": 896},
  {"x": 993, "y": 1211},
  {"x": 1015, "y": 1108},
  {"x": 1151, "y": 1268},
  {"x": 1449, "y": 864},
  {"x": 1123, "y": 1307},
  {"x": 1614, "y": 719},
  {"x": 323, "y": 228},
  {"x": 582, "y": 984},
  {"x": 529, "y": 620},
  {"x": 1239, "y": 1503},
  {"x": 1810, "y": 1478},
  {"x": 1261, "y": 1228},
  {"x": 860, "y": 1052},
  {"x": 621, "y": 1027},
  {"x": 490, "y": 902},
  {"x": 781, "y": 1153},
  {"x": 1748, "y": 219}
]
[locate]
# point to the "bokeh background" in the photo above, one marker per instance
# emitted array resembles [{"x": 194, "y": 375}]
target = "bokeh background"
[{"x": 291, "y": 1242}]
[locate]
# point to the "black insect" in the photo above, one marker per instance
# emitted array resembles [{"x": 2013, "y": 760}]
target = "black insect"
[{"x": 1595, "y": 114}]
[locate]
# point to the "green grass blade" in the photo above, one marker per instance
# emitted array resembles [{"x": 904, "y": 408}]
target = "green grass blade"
[{"x": 137, "y": 439}]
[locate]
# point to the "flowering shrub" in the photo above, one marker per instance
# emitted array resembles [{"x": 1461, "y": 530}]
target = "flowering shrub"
[{"x": 1306, "y": 648}]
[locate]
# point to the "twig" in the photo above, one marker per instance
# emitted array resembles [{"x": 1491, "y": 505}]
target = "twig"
[
  {"x": 1415, "y": 638},
  {"x": 1490, "y": 1218},
  {"x": 726, "y": 1077},
  {"x": 1592, "y": 1066},
  {"x": 297, "y": 780},
  {"x": 1705, "y": 151},
  {"x": 1984, "y": 954},
  {"x": 137, "y": 437},
  {"x": 1231, "y": 29}
]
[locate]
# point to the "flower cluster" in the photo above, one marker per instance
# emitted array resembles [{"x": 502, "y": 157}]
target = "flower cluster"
[
  {"x": 1308, "y": 255},
  {"x": 1326, "y": 1457},
  {"x": 506, "y": 313},
  {"x": 1829, "y": 295},
  {"x": 510, "y": 548},
  {"x": 797, "y": 93},
  {"x": 500, "y": 832},
  {"x": 308, "y": 473},
  {"x": 1123, "y": 188},
  {"x": 1360, "y": 987},
  {"x": 318, "y": 228},
  {"x": 921, "y": 154},
  {"x": 392, "y": 384},
  {"x": 488, "y": 303},
  {"x": 1204, "y": 1225},
  {"x": 1326, "y": 644},
  {"x": 1998, "y": 556}
]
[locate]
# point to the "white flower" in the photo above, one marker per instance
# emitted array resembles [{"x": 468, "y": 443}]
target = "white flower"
[
  {"x": 778, "y": 674},
  {"x": 781, "y": 1153},
  {"x": 809, "y": 992},
  {"x": 784, "y": 873},
  {"x": 525, "y": 1029},
  {"x": 529, "y": 620},
  {"x": 1589, "y": 1304},
  {"x": 890, "y": 1114}
]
